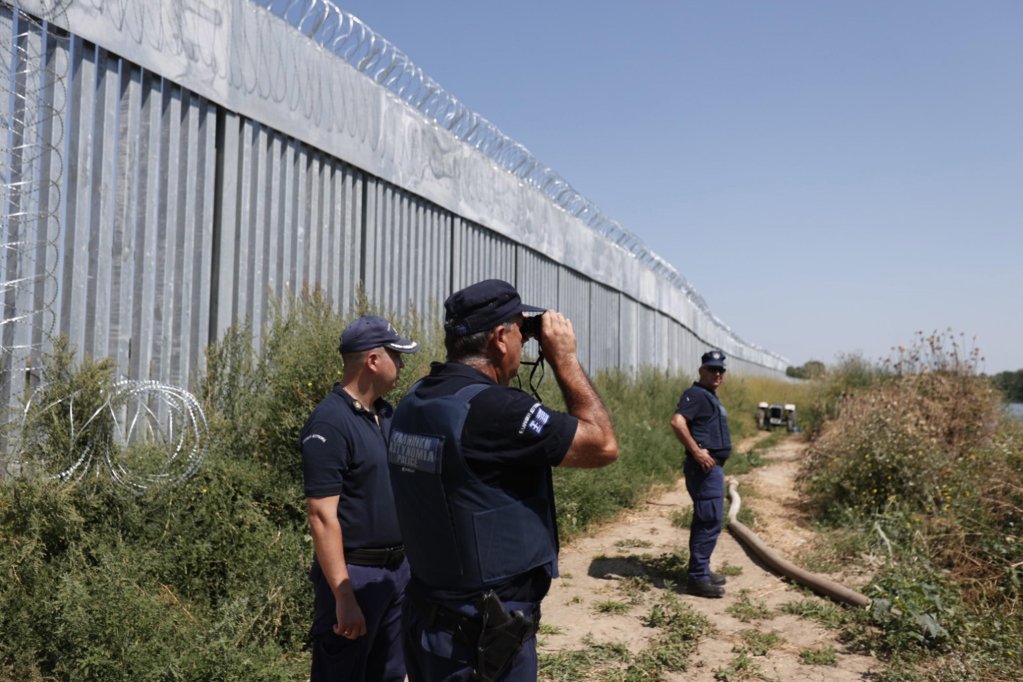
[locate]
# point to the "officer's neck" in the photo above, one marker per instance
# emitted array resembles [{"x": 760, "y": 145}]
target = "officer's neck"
[
  {"x": 364, "y": 392},
  {"x": 484, "y": 366}
]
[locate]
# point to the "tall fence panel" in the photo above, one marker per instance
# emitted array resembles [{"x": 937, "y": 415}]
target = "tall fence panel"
[
  {"x": 602, "y": 325},
  {"x": 574, "y": 303},
  {"x": 479, "y": 253},
  {"x": 537, "y": 278},
  {"x": 407, "y": 253},
  {"x": 135, "y": 216},
  {"x": 289, "y": 218}
]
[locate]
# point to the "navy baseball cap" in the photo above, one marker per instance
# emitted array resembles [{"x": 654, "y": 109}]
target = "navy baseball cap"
[
  {"x": 714, "y": 358},
  {"x": 371, "y": 331},
  {"x": 483, "y": 306}
]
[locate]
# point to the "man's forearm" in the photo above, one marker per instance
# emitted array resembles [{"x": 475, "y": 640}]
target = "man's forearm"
[
  {"x": 330, "y": 553},
  {"x": 581, "y": 398},
  {"x": 682, "y": 433}
]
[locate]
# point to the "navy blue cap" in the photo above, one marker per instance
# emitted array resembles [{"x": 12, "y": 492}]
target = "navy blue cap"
[
  {"x": 482, "y": 306},
  {"x": 371, "y": 331},
  {"x": 714, "y": 358}
]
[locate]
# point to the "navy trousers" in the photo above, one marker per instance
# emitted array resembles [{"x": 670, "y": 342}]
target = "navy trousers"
[
  {"x": 438, "y": 655},
  {"x": 378, "y": 654},
  {"x": 707, "y": 490}
]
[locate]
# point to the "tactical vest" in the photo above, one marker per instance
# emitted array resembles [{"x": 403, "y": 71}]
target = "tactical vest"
[
  {"x": 461, "y": 534},
  {"x": 712, "y": 433}
]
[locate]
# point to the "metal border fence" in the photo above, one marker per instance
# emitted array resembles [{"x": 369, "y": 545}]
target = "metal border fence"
[{"x": 168, "y": 167}]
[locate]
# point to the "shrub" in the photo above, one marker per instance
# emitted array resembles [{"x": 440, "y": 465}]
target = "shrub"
[
  {"x": 903, "y": 442},
  {"x": 66, "y": 424},
  {"x": 922, "y": 459}
]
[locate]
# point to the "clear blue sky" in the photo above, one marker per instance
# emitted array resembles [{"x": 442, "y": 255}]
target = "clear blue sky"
[{"x": 831, "y": 176}]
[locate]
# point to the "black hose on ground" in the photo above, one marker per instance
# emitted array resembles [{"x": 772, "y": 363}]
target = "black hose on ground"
[{"x": 820, "y": 585}]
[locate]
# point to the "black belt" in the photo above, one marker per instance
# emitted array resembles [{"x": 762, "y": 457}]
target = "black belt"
[
  {"x": 461, "y": 624},
  {"x": 375, "y": 556}
]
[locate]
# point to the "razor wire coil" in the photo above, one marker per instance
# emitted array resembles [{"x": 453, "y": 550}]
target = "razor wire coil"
[
  {"x": 31, "y": 165},
  {"x": 164, "y": 423}
]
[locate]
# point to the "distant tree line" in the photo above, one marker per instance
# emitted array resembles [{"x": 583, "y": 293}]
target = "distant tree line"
[
  {"x": 1011, "y": 384},
  {"x": 813, "y": 369}
]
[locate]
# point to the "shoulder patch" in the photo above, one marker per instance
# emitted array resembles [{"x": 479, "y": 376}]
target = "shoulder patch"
[
  {"x": 535, "y": 420},
  {"x": 314, "y": 435}
]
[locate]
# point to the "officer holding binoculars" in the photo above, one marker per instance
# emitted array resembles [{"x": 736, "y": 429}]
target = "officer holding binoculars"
[{"x": 470, "y": 460}]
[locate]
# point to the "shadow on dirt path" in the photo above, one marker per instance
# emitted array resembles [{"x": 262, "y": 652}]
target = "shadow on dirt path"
[{"x": 611, "y": 579}]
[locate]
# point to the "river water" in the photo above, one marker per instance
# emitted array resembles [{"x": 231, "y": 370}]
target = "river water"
[{"x": 1016, "y": 410}]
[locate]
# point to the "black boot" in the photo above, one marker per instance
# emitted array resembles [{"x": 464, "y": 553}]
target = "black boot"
[{"x": 704, "y": 588}]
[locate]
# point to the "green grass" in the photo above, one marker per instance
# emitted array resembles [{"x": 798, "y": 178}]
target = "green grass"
[
  {"x": 729, "y": 570},
  {"x": 818, "y": 610},
  {"x": 823, "y": 656},
  {"x": 758, "y": 642},
  {"x": 682, "y": 518},
  {"x": 635, "y": 587},
  {"x": 611, "y": 607},
  {"x": 748, "y": 609},
  {"x": 588, "y": 663},
  {"x": 742, "y": 667},
  {"x": 675, "y": 631}
]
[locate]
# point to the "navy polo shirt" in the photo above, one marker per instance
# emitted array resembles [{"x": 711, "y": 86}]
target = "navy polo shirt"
[
  {"x": 707, "y": 420},
  {"x": 344, "y": 452}
]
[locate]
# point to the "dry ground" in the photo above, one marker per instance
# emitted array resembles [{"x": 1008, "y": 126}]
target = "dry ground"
[{"x": 591, "y": 575}]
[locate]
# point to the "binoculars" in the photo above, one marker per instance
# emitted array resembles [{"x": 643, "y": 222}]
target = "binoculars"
[{"x": 531, "y": 327}]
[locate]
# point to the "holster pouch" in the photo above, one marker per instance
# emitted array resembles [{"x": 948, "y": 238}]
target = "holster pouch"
[{"x": 501, "y": 636}]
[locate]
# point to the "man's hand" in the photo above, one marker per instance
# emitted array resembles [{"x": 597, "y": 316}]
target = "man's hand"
[
  {"x": 557, "y": 339},
  {"x": 703, "y": 458},
  {"x": 594, "y": 444},
  {"x": 350, "y": 621},
  {"x": 681, "y": 428}
]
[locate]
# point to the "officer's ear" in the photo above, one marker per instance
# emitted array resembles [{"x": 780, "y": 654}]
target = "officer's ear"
[
  {"x": 499, "y": 339},
  {"x": 372, "y": 359}
]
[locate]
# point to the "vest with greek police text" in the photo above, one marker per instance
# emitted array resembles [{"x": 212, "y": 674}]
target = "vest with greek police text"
[{"x": 461, "y": 534}]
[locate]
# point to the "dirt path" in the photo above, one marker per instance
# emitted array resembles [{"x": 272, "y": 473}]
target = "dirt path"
[{"x": 597, "y": 601}]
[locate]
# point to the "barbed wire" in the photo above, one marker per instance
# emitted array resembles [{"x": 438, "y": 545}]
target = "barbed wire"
[
  {"x": 144, "y": 433},
  {"x": 31, "y": 166}
]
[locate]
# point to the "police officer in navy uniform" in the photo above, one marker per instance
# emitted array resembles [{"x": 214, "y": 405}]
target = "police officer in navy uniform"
[
  {"x": 470, "y": 460},
  {"x": 701, "y": 423},
  {"x": 359, "y": 572}
]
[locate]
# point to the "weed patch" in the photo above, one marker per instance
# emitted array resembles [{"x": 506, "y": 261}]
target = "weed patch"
[
  {"x": 742, "y": 667},
  {"x": 758, "y": 642},
  {"x": 683, "y": 518},
  {"x": 611, "y": 607},
  {"x": 747, "y": 609},
  {"x": 729, "y": 570},
  {"x": 825, "y": 613},
  {"x": 823, "y": 656}
]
